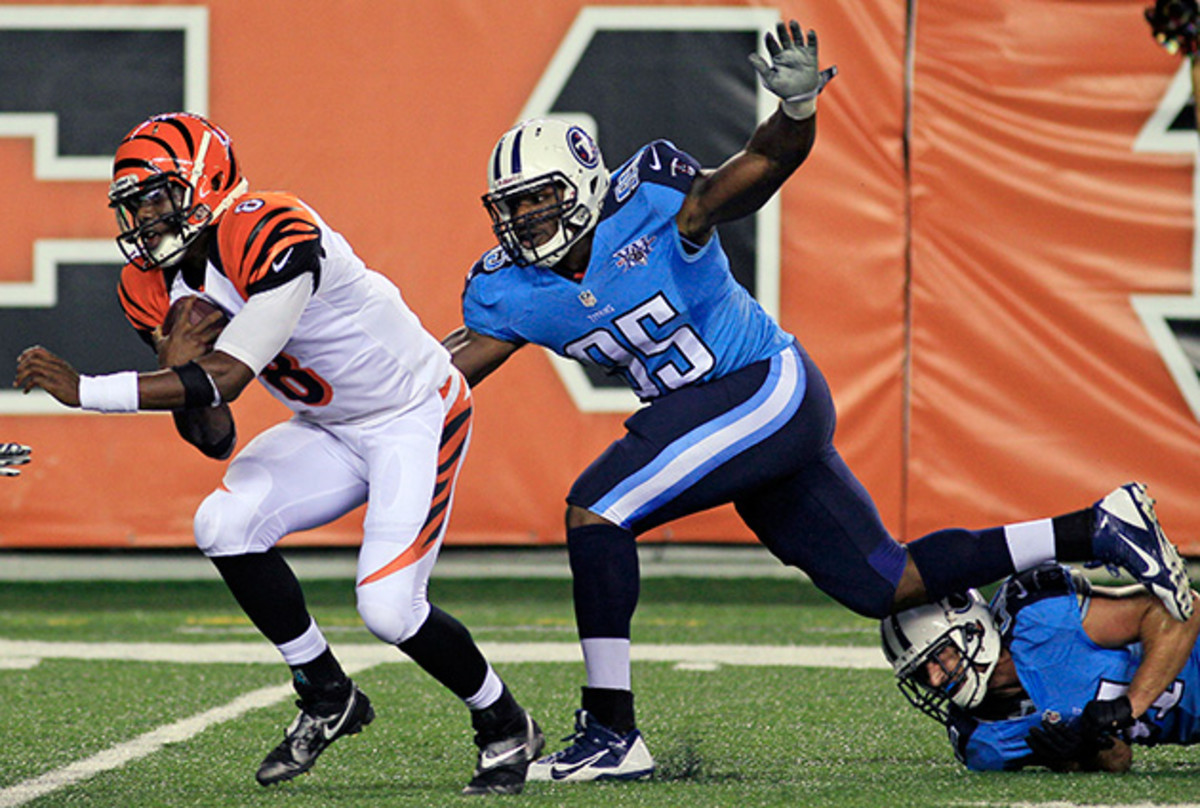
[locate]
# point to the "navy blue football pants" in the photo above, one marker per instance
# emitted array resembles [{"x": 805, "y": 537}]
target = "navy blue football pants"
[{"x": 761, "y": 438}]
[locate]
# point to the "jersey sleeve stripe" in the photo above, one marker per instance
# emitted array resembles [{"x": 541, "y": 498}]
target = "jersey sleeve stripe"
[
  {"x": 285, "y": 234},
  {"x": 275, "y": 245},
  {"x": 139, "y": 316},
  {"x": 260, "y": 224}
]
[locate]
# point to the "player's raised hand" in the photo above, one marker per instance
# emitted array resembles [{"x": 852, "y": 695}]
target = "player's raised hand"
[
  {"x": 13, "y": 454},
  {"x": 793, "y": 72},
  {"x": 38, "y": 367}
]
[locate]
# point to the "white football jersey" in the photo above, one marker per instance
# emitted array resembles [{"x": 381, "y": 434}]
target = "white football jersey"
[{"x": 356, "y": 354}]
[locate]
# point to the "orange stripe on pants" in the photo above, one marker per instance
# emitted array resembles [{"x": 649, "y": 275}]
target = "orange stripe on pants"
[{"x": 456, "y": 430}]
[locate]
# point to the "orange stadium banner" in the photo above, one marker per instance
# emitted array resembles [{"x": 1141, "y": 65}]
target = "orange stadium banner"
[{"x": 989, "y": 252}]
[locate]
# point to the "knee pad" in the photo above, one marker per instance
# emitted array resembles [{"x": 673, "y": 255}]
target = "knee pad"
[
  {"x": 226, "y": 524},
  {"x": 390, "y": 617}
]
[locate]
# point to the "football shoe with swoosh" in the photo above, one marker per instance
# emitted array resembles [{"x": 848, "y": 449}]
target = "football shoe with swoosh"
[
  {"x": 596, "y": 753},
  {"x": 318, "y": 725},
  {"x": 503, "y": 763},
  {"x": 1126, "y": 536}
]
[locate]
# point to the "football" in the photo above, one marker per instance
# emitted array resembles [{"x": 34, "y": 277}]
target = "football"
[{"x": 201, "y": 308}]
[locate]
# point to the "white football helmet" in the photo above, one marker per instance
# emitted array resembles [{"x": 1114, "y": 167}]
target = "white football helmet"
[
  {"x": 917, "y": 639},
  {"x": 551, "y": 159}
]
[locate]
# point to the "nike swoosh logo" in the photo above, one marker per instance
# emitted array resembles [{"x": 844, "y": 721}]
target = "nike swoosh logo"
[
  {"x": 1152, "y": 567},
  {"x": 329, "y": 732},
  {"x": 487, "y": 761},
  {"x": 278, "y": 263},
  {"x": 559, "y": 773},
  {"x": 654, "y": 163}
]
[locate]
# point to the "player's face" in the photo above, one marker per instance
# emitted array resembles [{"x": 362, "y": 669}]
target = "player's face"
[
  {"x": 941, "y": 666},
  {"x": 540, "y": 211},
  {"x": 150, "y": 211}
]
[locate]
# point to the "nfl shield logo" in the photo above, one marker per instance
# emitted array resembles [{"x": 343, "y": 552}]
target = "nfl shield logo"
[{"x": 587, "y": 298}]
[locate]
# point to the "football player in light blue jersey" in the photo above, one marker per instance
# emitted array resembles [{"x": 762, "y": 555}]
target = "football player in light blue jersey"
[
  {"x": 1056, "y": 672},
  {"x": 626, "y": 272}
]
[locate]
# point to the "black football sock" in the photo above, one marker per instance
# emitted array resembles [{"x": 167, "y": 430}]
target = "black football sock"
[
  {"x": 268, "y": 592},
  {"x": 502, "y": 719},
  {"x": 322, "y": 680},
  {"x": 444, "y": 648},
  {"x": 612, "y": 708},
  {"x": 1073, "y": 536}
]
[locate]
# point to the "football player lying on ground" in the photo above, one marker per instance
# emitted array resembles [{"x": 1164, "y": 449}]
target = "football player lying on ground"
[
  {"x": 1056, "y": 672},
  {"x": 628, "y": 272},
  {"x": 381, "y": 417}
]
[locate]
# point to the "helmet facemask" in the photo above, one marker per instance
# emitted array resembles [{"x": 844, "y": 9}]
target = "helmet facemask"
[
  {"x": 525, "y": 237},
  {"x": 157, "y": 219},
  {"x": 955, "y": 637},
  {"x": 546, "y": 185}
]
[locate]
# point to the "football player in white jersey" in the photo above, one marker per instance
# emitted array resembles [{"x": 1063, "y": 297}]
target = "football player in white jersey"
[{"x": 380, "y": 417}]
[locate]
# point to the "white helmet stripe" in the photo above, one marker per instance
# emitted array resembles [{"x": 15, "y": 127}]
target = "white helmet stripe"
[{"x": 198, "y": 163}]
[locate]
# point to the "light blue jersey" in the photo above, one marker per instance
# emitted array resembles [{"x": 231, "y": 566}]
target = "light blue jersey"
[
  {"x": 646, "y": 307},
  {"x": 1040, "y": 613}
]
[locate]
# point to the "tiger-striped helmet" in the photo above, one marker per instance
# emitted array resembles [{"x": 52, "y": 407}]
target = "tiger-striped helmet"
[
  {"x": 173, "y": 176},
  {"x": 558, "y": 164}
]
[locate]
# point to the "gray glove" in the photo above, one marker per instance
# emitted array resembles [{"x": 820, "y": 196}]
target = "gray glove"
[
  {"x": 793, "y": 73},
  {"x": 12, "y": 454}
]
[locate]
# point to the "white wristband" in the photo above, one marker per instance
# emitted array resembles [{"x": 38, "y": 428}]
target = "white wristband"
[
  {"x": 799, "y": 110},
  {"x": 113, "y": 392}
]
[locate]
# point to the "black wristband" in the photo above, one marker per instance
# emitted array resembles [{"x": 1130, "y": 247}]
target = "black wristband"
[{"x": 198, "y": 387}]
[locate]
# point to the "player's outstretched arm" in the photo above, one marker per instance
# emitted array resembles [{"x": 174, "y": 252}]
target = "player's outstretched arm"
[
  {"x": 1119, "y": 617},
  {"x": 208, "y": 381},
  {"x": 745, "y": 182},
  {"x": 476, "y": 355}
]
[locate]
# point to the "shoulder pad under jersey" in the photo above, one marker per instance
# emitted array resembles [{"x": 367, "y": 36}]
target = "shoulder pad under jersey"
[
  {"x": 658, "y": 162},
  {"x": 1048, "y": 580},
  {"x": 483, "y": 293},
  {"x": 489, "y": 262},
  {"x": 266, "y": 240}
]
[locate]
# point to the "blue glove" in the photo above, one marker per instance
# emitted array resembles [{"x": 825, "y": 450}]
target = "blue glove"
[{"x": 793, "y": 73}]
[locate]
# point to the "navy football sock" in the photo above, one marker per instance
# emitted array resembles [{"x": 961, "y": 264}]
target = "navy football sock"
[
  {"x": 954, "y": 560},
  {"x": 604, "y": 571}
]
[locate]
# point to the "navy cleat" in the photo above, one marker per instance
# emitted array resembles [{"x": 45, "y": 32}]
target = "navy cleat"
[
  {"x": 503, "y": 763},
  {"x": 318, "y": 725},
  {"x": 596, "y": 753},
  {"x": 1126, "y": 535}
]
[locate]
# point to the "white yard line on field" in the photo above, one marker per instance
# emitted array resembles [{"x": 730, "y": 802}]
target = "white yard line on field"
[
  {"x": 354, "y": 657},
  {"x": 144, "y": 745},
  {"x": 807, "y": 656}
]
